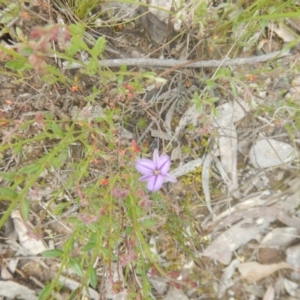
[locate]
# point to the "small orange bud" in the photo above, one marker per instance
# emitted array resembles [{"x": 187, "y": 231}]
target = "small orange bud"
[
  {"x": 25, "y": 15},
  {"x": 130, "y": 88},
  {"x": 74, "y": 88},
  {"x": 251, "y": 77},
  {"x": 134, "y": 147},
  {"x": 104, "y": 181}
]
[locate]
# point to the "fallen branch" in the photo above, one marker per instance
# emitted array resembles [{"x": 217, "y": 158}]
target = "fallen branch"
[{"x": 174, "y": 63}]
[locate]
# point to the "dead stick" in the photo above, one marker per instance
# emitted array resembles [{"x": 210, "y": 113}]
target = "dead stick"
[{"x": 175, "y": 64}]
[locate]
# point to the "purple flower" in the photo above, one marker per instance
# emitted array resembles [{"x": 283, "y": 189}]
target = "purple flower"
[{"x": 155, "y": 171}]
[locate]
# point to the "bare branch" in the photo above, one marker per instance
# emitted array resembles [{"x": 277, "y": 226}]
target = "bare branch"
[{"x": 171, "y": 63}]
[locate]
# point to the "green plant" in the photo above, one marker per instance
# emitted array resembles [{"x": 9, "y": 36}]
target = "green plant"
[{"x": 112, "y": 208}]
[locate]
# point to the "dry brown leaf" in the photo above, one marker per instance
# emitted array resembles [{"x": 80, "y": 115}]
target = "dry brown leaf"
[
  {"x": 257, "y": 199},
  {"x": 253, "y": 271},
  {"x": 176, "y": 153},
  {"x": 228, "y": 150},
  {"x": 175, "y": 294},
  {"x": 291, "y": 287},
  {"x": 5, "y": 272},
  {"x": 280, "y": 237},
  {"x": 27, "y": 238},
  {"x": 186, "y": 168},
  {"x": 283, "y": 31},
  {"x": 270, "y": 293},
  {"x": 241, "y": 233},
  {"x": 206, "y": 172},
  {"x": 159, "y": 284},
  {"x": 160, "y": 134},
  {"x": 226, "y": 280},
  {"x": 169, "y": 118},
  {"x": 227, "y": 115},
  {"x": 190, "y": 117},
  {"x": 272, "y": 212},
  {"x": 115, "y": 276},
  {"x": 73, "y": 285},
  {"x": 293, "y": 255},
  {"x": 14, "y": 290}
]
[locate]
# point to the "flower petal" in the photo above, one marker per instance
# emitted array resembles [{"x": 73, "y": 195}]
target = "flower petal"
[
  {"x": 164, "y": 164},
  {"x": 145, "y": 166},
  {"x": 155, "y": 183},
  {"x": 156, "y": 158},
  {"x": 170, "y": 178},
  {"x": 146, "y": 177}
]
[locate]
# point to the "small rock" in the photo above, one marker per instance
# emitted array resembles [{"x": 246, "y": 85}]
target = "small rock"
[{"x": 270, "y": 153}]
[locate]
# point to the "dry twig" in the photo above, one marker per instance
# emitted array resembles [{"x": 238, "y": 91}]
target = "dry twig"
[{"x": 174, "y": 63}]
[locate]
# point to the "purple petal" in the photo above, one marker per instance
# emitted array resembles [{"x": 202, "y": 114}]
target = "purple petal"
[
  {"x": 170, "y": 178},
  {"x": 145, "y": 166},
  {"x": 164, "y": 164},
  {"x": 155, "y": 183},
  {"x": 146, "y": 177},
  {"x": 156, "y": 158}
]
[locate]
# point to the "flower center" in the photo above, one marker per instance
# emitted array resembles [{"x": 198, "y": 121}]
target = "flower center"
[{"x": 156, "y": 172}]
